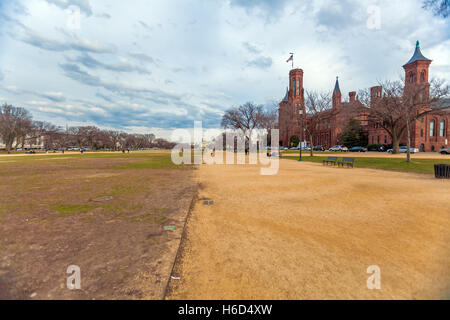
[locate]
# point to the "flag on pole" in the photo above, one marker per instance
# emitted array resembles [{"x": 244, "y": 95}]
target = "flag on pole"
[{"x": 291, "y": 58}]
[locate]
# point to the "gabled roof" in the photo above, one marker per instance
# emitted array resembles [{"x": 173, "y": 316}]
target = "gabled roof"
[
  {"x": 443, "y": 104},
  {"x": 286, "y": 97},
  {"x": 418, "y": 56},
  {"x": 336, "y": 87}
]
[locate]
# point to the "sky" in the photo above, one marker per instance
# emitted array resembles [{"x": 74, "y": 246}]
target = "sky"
[{"x": 152, "y": 66}]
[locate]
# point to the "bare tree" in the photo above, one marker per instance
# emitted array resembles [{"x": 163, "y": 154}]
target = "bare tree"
[
  {"x": 418, "y": 100},
  {"x": 318, "y": 109},
  {"x": 245, "y": 118},
  {"x": 399, "y": 107},
  {"x": 14, "y": 122},
  {"x": 89, "y": 135},
  {"x": 50, "y": 134}
]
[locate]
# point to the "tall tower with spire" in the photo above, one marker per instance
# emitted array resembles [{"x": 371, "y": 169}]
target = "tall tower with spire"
[
  {"x": 296, "y": 91},
  {"x": 416, "y": 69},
  {"x": 337, "y": 97},
  {"x": 293, "y": 102}
]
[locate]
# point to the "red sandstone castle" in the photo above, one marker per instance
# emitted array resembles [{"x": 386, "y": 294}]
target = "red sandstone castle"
[{"x": 429, "y": 133}]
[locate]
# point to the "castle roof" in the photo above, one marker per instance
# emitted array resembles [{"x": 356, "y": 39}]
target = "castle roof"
[
  {"x": 418, "y": 56},
  {"x": 286, "y": 97},
  {"x": 336, "y": 87}
]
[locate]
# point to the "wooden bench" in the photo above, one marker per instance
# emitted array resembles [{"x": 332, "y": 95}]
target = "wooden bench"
[
  {"x": 346, "y": 161},
  {"x": 330, "y": 160}
]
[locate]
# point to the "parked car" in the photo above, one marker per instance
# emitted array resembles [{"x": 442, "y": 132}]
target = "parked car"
[
  {"x": 404, "y": 149},
  {"x": 306, "y": 148},
  {"x": 445, "y": 151},
  {"x": 294, "y": 148},
  {"x": 319, "y": 148},
  {"x": 275, "y": 154},
  {"x": 339, "y": 148},
  {"x": 358, "y": 149}
]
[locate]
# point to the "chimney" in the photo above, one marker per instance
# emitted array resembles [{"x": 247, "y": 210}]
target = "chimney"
[{"x": 352, "y": 96}]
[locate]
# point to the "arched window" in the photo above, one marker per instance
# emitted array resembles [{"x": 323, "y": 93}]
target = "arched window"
[
  {"x": 442, "y": 128},
  {"x": 432, "y": 124},
  {"x": 411, "y": 77},
  {"x": 422, "y": 76}
]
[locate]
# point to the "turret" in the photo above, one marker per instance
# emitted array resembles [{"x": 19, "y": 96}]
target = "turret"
[{"x": 337, "y": 97}]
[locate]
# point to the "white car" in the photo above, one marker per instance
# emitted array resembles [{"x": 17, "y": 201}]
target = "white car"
[
  {"x": 445, "y": 151},
  {"x": 404, "y": 149},
  {"x": 339, "y": 149}
]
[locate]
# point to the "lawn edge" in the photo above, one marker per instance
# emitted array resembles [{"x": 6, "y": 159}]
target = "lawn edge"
[{"x": 179, "y": 255}]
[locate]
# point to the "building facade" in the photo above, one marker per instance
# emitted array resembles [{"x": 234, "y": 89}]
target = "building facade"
[{"x": 429, "y": 133}]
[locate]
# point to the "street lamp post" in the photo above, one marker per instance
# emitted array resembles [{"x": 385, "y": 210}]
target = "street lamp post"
[{"x": 301, "y": 132}]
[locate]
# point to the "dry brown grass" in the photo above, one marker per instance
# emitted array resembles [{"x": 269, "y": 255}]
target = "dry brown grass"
[{"x": 49, "y": 220}]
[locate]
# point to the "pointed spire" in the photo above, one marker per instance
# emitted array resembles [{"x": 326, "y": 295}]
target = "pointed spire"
[
  {"x": 336, "y": 87},
  {"x": 418, "y": 56},
  {"x": 286, "y": 97}
]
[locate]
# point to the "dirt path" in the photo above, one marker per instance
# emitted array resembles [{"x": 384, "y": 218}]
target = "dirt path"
[{"x": 311, "y": 232}]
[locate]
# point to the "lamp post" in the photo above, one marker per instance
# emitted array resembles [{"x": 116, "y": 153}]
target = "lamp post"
[{"x": 300, "y": 112}]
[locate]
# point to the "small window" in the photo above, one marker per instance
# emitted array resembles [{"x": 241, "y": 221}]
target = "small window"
[
  {"x": 432, "y": 123},
  {"x": 422, "y": 77},
  {"x": 442, "y": 128},
  {"x": 385, "y": 139},
  {"x": 411, "y": 78},
  {"x": 421, "y": 133}
]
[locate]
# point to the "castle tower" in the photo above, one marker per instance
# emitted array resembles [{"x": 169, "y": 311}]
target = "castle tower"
[
  {"x": 416, "y": 69},
  {"x": 337, "y": 97},
  {"x": 296, "y": 91},
  {"x": 293, "y": 102}
]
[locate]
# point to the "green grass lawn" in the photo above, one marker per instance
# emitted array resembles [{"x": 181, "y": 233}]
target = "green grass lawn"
[{"x": 395, "y": 164}]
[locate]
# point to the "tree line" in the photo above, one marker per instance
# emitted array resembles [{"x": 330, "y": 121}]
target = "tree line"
[{"x": 19, "y": 130}]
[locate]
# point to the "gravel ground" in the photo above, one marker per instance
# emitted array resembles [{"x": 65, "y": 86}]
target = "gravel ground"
[{"x": 311, "y": 232}]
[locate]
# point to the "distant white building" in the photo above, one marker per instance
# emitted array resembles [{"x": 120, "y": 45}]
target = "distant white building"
[{"x": 32, "y": 143}]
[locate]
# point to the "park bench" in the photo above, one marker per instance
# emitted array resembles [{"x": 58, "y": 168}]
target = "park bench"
[
  {"x": 347, "y": 161},
  {"x": 330, "y": 160}
]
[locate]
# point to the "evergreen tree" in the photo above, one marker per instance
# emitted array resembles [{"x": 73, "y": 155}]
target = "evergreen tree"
[{"x": 353, "y": 135}]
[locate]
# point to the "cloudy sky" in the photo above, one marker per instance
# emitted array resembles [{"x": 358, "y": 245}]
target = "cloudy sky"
[{"x": 143, "y": 65}]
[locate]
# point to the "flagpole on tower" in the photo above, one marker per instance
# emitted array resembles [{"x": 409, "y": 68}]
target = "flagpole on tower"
[{"x": 291, "y": 58}]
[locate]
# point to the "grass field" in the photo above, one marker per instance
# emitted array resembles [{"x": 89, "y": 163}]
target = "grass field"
[
  {"x": 396, "y": 164},
  {"x": 104, "y": 212}
]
